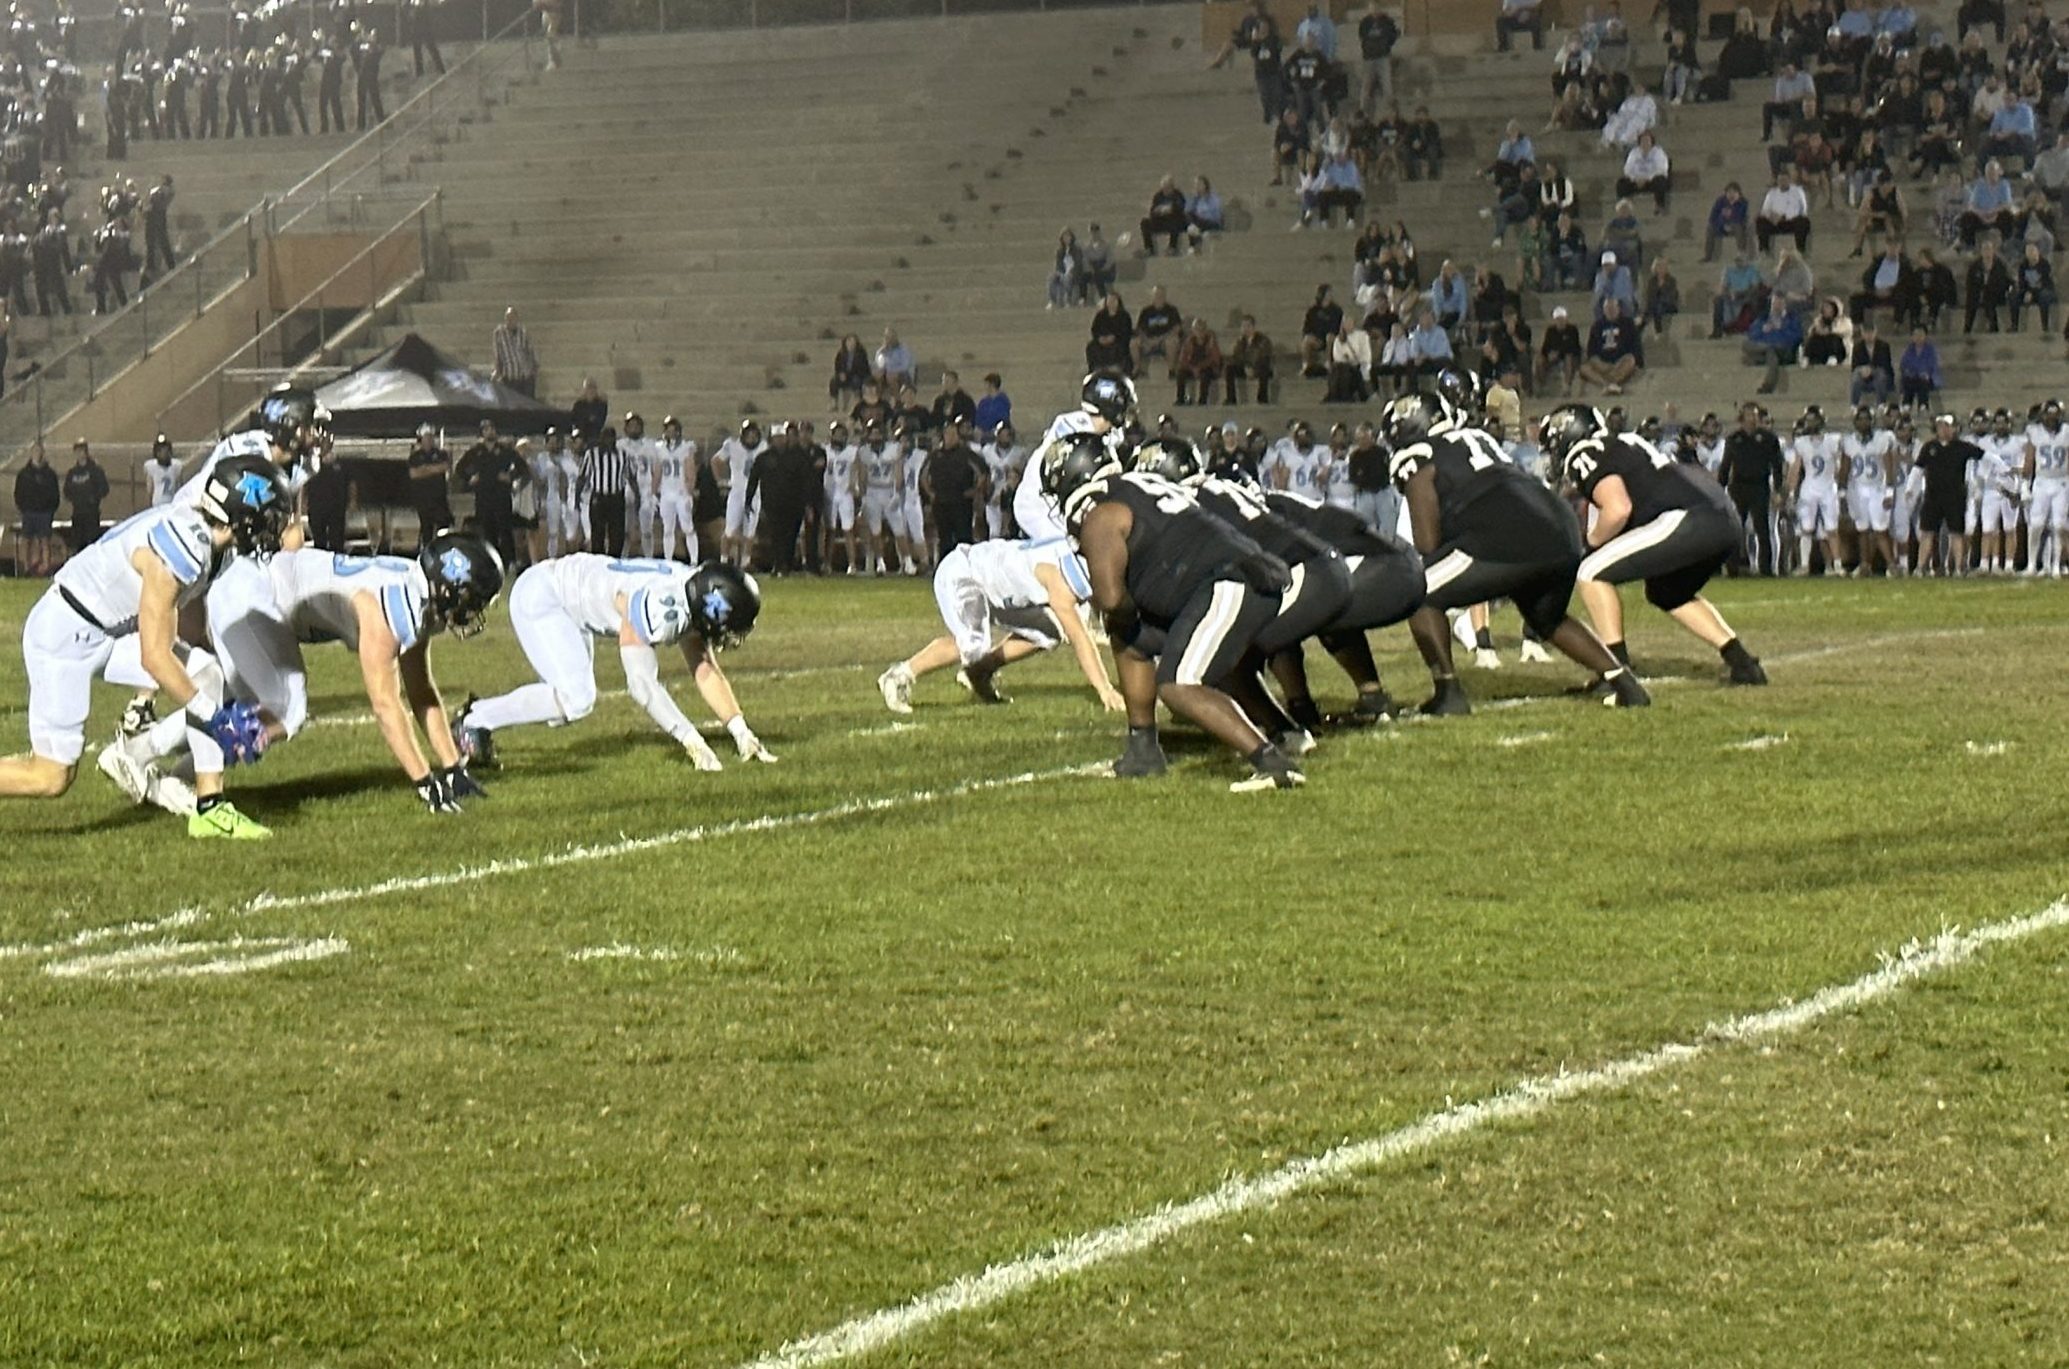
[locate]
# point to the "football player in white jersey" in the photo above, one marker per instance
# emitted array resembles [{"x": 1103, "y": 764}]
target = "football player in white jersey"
[
  {"x": 883, "y": 485},
  {"x": 916, "y": 445},
  {"x": 1335, "y": 487},
  {"x": 1003, "y": 458},
  {"x": 554, "y": 474},
  {"x": 843, "y": 494},
  {"x": 1813, "y": 482},
  {"x": 2047, "y": 475},
  {"x": 1298, "y": 468},
  {"x": 2001, "y": 473},
  {"x": 1028, "y": 590},
  {"x": 1907, "y": 485},
  {"x": 573, "y": 531},
  {"x": 162, "y": 472},
  {"x": 675, "y": 477},
  {"x": 558, "y": 608},
  {"x": 134, "y": 582},
  {"x": 1868, "y": 452},
  {"x": 1979, "y": 435},
  {"x": 1709, "y": 444},
  {"x": 1106, "y": 401},
  {"x": 385, "y": 610},
  {"x": 640, "y": 514},
  {"x": 732, "y": 464}
]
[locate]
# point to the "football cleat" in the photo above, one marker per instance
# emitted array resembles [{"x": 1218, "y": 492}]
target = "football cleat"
[
  {"x": 138, "y": 715},
  {"x": 1534, "y": 653},
  {"x": 224, "y": 822},
  {"x": 984, "y": 684},
  {"x": 476, "y": 745},
  {"x": 1627, "y": 691},
  {"x": 1371, "y": 708},
  {"x": 1448, "y": 702},
  {"x": 125, "y": 772},
  {"x": 1486, "y": 658},
  {"x": 1750, "y": 673},
  {"x": 1462, "y": 629},
  {"x": 1298, "y": 742},
  {"x": 1142, "y": 757},
  {"x": 1276, "y": 770},
  {"x": 895, "y": 685}
]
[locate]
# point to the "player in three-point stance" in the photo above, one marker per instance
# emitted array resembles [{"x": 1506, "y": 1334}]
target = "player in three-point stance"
[
  {"x": 558, "y": 608},
  {"x": 1656, "y": 520},
  {"x": 134, "y": 582}
]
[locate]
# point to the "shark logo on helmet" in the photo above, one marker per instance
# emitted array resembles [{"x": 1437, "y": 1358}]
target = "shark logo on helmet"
[
  {"x": 255, "y": 489},
  {"x": 455, "y": 567}
]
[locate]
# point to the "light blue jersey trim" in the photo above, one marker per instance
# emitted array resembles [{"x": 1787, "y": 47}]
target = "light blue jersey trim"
[{"x": 178, "y": 558}]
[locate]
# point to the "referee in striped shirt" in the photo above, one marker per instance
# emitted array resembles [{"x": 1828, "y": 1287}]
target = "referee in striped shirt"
[{"x": 602, "y": 480}]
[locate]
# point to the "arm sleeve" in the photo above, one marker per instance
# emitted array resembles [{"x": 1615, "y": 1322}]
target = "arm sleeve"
[{"x": 643, "y": 683}]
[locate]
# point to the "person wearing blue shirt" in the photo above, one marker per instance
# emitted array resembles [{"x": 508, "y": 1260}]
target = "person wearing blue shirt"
[
  {"x": 1321, "y": 28},
  {"x": 894, "y": 363},
  {"x": 1856, "y": 25},
  {"x": 995, "y": 407},
  {"x": 1342, "y": 187},
  {"x": 1918, "y": 370},
  {"x": 1773, "y": 341},
  {"x": 1898, "y": 21},
  {"x": 1520, "y": 16},
  {"x": 1989, "y": 206},
  {"x": 1203, "y": 212},
  {"x": 1740, "y": 287},
  {"x": 2014, "y": 131},
  {"x": 1431, "y": 344},
  {"x": 1448, "y": 296},
  {"x": 1613, "y": 282}
]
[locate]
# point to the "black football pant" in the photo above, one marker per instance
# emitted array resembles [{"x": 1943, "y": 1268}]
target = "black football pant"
[
  {"x": 1675, "y": 555},
  {"x": 607, "y": 524},
  {"x": 951, "y": 528},
  {"x": 782, "y": 522},
  {"x": 1754, "y": 518}
]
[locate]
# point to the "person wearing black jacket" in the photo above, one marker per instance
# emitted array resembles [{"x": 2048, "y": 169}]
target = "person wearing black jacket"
[
  {"x": 51, "y": 251},
  {"x": 1751, "y": 472},
  {"x": 492, "y": 471},
  {"x": 1377, "y": 35},
  {"x": 417, "y": 25},
  {"x": 330, "y": 85},
  {"x": 1945, "y": 459},
  {"x": 1166, "y": 217},
  {"x": 328, "y": 498},
  {"x": 1321, "y": 322},
  {"x": 2034, "y": 286},
  {"x": 1874, "y": 367},
  {"x": 86, "y": 485},
  {"x": 953, "y": 405},
  {"x": 366, "y": 75},
  {"x": 1112, "y": 347},
  {"x": 430, "y": 467},
  {"x": 956, "y": 483},
  {"x": 112, "y": 256},
  {"x": 1989, "y": 284},
  {"x": 786, "y": 477},
  {"x": 158, "y": 226},
  {"x": 1422, "y": 147},
  {"x": 37, "y": 495}
]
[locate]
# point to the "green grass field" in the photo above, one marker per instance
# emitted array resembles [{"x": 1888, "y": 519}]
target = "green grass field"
[{"x": 956, "y": 1000}]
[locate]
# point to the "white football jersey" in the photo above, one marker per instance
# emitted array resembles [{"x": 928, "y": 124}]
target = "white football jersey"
[
  {"x": 2004, "y": 463},
  {"x": 880, "y": 466},
  {"x": 656, "y": 594},
  {"x": 915, "y": 467},
  {"x": 109, "y": 587},
  {"x": 840, "y": 468},
  {"x": 1710, "y": 455},
  {"x": 639, "y": 457},
  {"x": 545, "y": 469},
  {"x": 569, "y": 464},
  {"x": 1004, "y": 465},
  {"x": 1302, "y": 470},
  {"x": 2050, "y": 452},
  {"x": 675, "y": 463},
  {"x": 164, "y": 478},
  {"x": 1819, "y": 454},
  {"x": 1034, "y": 511},
  {"x": 1867, "y": 460},
  {"x": 1005, "y": 571},
  {"x": 316, "y": 592},
  {"x": 739, "y": 459},
  {"x": 255, "y": 442}
]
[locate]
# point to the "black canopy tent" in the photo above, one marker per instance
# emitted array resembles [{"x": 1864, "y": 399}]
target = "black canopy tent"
[{"x": 414, "y": 383}]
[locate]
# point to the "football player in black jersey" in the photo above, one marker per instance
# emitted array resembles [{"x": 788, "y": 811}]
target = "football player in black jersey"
[
  {"x": 1486, "y": 530},
  {"x": 1656, "y": 520},
  {"x": 1184, "y": 597},
  {"x": 1385, "y": 581}
]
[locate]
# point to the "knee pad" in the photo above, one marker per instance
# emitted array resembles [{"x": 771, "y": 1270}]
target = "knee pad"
[{"x": 575, "y": 707}]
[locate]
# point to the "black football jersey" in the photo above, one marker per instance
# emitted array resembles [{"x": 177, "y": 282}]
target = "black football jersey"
[
  {"x": 1174, "y": 546},
  {"x": 1655, "y": 482},
  {"x": 1469, "y": 465},
  {"x": 1245, "y": 510},
  {"x": 1339, "y": 527}
]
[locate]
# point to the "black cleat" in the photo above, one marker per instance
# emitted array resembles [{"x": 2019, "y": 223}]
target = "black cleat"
[
  {"x": 1448, "y": 702},
  {"x": 1748, "y": 672},
  {"x": 1628, "y": 691},
  {"x": 1304, "y": 712},
  {"x": 1141, "y": 758},
  {"x": 1370, "y": 709},
  {"x": 1272, "y": 770}
]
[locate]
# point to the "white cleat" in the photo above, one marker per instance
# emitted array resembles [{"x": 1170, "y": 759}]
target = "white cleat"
[
  {"x": 1486, "y": 658},
  {"x": 125, "y": 772},
  {"x": 895, "y": 685},
  {"x": 1462, "y": 628},
  {"x": 171, "y": 793},
  {"x": 1534, "y": 654}
]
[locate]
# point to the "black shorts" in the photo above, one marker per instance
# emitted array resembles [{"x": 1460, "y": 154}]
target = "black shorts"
[
  {"x": 1321, "y": 588},
  {"x": 1386, "y": 586},
  {"x": 1523, "y": 549},
  {"x": 1675, "y": 554},
  {"x": 1213, "y": 633},
  {"x": 1933, "y": 514}
]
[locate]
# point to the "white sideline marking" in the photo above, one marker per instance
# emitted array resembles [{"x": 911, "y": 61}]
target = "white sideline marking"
[
  {"x": 93, "y": 936},
  {"x": 618, "y": 950},
  {"x": 169, "y": 959},
  {"x": 1766, "y": 742},
  {"x": 1525, "y": 1099},
  {"x": 368, "y": 719},
  {"x": 887, "y": 729},
  {"x": 1523, "y": 739},
  {"x": 1988, "y": 748}
]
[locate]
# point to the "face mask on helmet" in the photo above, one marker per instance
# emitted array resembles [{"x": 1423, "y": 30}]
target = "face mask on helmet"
[
  {"x": 1174, "y": 459},
  {"x": 246, "y": 495},
  {"x": 724, "y": 603},
  {"x": 466, "y": 576},
  {"x": 1076, "y": 469}
]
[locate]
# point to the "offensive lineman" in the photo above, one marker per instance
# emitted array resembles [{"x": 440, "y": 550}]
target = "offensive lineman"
[
  {"x": 1813, "y": 482},
  {"x": 1656, "y": 520},
  {"x": 733, "y": 463},
  {"x": 558, "y": 608},
  {"x": 2047, "y": 474},
  {"x": 675, "y": 472},
  {"x": 135, "y": 581},
  {"x": 1869, "y": 454}
]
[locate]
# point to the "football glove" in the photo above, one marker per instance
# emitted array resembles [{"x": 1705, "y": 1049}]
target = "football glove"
[
  {"x": 701, "y": 755},
  {"x": 436, "y": 794},
  {"x": 460, "y": 784},
  {"x": 750, "y": 746},
  {"x": 239, "y": 729}
]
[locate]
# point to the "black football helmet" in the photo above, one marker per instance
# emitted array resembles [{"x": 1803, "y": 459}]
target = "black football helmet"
[
  {"x": 1173, "y": 458},
  {"x": 2051, "y": 415},
  {"x": 1072, "y": 467},
  {"x": 246, "y": 495},
  {"x": 288, "y": 416},
  {"x": 466, "y": 575},
  {"x": 1416, "y": 418},
  {"x": 724, "y": 602},
  {"x": 1567, "y": 428},
  {"x": 1813, "y": 420},
  {"x": 1110, "y": 396},
  {"x": 1462, "y": 389}
]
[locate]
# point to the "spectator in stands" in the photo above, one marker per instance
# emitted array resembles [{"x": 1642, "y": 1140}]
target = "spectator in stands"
[
  {"x": 517, "y": 365},
  {"x": 1422, "y": 147},
  {"x": 1319, "y": 30},
  {"x": 1938, "y": 145},
  {"x": 1638, "y": 114},
  {"x": 1741, "y": 297},
  {"x": 1491, "y": 295},
  {"x": 2037, "y": 223},
  {"x": 1625, "y": 236},
  {"x": 2033, "y": 286},
  {"x": 1447, "y": 297},
  {"x": 1573, "y": 73},
  {"x": 1613, "y": 281},
  {"x": 1432, "y": 344},
  {"x": 1097, "y": 260},
  {"x": 1794, "y": 283},
  {"x": 1744, "y": 55},
  {"x": 1785, "y": 102},
  {"x": 1662, "y": 296},
  {"x": 1989, "y": 287},
  {"x": 1341, "y": 187},
  {"x": 1918, "y": 370},
  {"x": 1684, "y": 67},
  {"x": 894, "y": 364},
  {"x": 1975, "y": 14},
  {"x": 1520, "y": 16},
  {"x": 1317, "y": 327},
  {"x": 2051, "y": 170},
  {"x": 1157, "y": 328},
  {"x": 851, "y": 371},
  {"x": 1559, "y": 356},
  {"x": 1812, "y": 157},
  {"x": 873, "y": 409},
  {"x": 1773, "y": 342},
  {"x": 1616, "y": 351},
  {"x": 952, "y": 406},
  {"x": 1646, "y": 172},
  {"x": 994, "y": 407},
  {"x": 1166, "y": 218},
  {"x": 1874, "y": 369},
  {"x": 1554, "y": 193},
  {"x": 1864, "y": 164},
  {"x": 1936, "y": 293},
  {"x": 1066, "y": 274},
  {"x": 1728, "y": 219},
  {"x": 1567, "y": 257},
  {"x": 1829, "y": 339},
  {"x": 1204, "y": 213},
  {"x": 1514, "y": 152},
  {"x": 1989, "y": 205},
  {"x": 1882, "y": 211},
  {"x": 1307, "y": 77},
  {"x": 1258, "y": 35},
  {"x": 1350, "y": 366},
  {"x": 1888, "y": 283},
  {"x": 1377, "y": 34},
  {"x": 37, "y": 497},
  {"x": 1289, "y": 147},
  {"x": 1199, "y": 360},
  {"x": 2013, "y": 132},
  {"x": 1249, "y": 359},
  {"x": 1784, "y": 210},
  {"x": 1515, "y": 340},
  {"x": 1112, "y": 347},
  {"x": 1396, "y": 359}
]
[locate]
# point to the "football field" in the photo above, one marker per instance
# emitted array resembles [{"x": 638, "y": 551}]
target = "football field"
[{"x": 1730, "y": 1032}]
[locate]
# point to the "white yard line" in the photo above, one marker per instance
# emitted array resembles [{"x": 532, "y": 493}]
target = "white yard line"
[
  {"x": 618, "y": 950},
  {"x": 1523, "y": 739},
  {"x": 1765, "y": 742},
  {"x": 172, "y": 959},
  {"x": 1523, "y": 1100},
  {"x": 364, "y": 719}
]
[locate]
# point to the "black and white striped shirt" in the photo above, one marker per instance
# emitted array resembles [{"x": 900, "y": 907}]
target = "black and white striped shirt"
[{"x": 605, "y": 471}]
